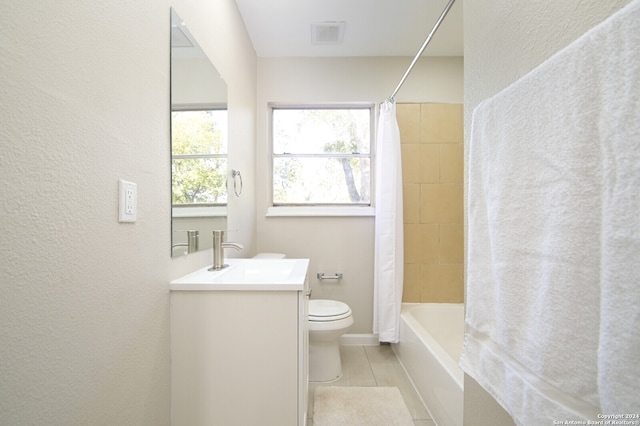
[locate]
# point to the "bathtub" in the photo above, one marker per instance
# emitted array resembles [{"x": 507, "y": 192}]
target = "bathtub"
[{"x": 431, "y": 336}]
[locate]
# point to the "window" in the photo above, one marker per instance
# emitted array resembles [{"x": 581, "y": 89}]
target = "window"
[
  {"x": 321, "y": 155},
  {"x": 198, "y": 157}
]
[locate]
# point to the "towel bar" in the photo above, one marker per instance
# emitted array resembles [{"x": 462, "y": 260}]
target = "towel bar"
[{"x": 322, "y": 276}]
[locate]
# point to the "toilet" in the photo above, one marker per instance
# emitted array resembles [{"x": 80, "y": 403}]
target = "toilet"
[{"x": 328, "y": 320}]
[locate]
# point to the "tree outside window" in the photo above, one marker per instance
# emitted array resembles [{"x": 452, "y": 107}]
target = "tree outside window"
[{"x": 199, "y": 157}]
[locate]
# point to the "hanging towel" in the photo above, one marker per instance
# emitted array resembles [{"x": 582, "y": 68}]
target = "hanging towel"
[{"x": 552, "y": 327}]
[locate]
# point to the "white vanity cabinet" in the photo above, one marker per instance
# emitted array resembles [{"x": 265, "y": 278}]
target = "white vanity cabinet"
[{"x": 239, "y": 356}]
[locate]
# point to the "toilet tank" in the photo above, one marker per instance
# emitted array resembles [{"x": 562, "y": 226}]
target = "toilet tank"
[{"x": 270, "y": 256}]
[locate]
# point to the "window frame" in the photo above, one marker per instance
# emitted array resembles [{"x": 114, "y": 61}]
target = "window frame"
[
  {"x": 201, "y": 209},
  {"x": 322, "y": 209}
]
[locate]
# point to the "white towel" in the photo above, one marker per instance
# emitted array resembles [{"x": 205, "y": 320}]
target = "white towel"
[{"x": 553, "y": 270}]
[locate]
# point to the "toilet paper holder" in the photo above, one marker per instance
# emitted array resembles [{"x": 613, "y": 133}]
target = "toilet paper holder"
[{"x": 336, "y": 276}]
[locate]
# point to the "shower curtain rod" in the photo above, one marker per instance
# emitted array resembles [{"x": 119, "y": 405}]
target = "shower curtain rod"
[{"x": 424, "y": 45}]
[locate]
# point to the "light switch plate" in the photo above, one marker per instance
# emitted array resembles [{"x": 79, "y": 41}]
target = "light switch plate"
[{"x": 128, "y": 201}]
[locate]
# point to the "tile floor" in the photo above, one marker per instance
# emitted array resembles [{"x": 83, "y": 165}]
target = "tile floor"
[{"x": 375, "y": 366}]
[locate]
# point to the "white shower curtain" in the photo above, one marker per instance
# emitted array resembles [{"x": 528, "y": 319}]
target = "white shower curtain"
[{"x": 389, "y": 238}]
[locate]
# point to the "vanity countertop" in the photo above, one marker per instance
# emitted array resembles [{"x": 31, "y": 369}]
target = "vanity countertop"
[{"x": 248, "y": 275}]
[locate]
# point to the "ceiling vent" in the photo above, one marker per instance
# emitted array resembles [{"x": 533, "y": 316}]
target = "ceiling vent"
[{"x": 327, "y": 32}]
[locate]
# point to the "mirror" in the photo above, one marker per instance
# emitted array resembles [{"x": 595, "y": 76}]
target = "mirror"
[{"x": 199, "y": 166}]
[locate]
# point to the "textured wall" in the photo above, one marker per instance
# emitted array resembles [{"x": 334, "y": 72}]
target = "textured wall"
[
  {"x": 503, "y": 40},
  {"x": 84, "y": 333}
]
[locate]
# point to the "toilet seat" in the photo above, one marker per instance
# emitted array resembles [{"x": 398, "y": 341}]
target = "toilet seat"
[{"x": 321, "y": 310}]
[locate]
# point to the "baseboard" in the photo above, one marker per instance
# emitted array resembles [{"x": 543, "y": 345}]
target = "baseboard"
[{"x": 359, "y": 340}]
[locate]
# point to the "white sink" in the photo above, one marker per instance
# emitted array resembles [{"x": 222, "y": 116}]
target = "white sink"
[{"x": 248, "y": 274}]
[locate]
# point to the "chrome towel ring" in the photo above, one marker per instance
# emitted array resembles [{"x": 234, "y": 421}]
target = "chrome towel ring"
[{"x": 235, "y": 174}]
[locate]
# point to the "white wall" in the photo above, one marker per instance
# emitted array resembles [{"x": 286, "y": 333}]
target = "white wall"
[
  {"x": 196, "y": 81},
  {"x": 502, "y": 42},
  {"x": 84, "y": 303},
  {"x": 338, "y": 244}
]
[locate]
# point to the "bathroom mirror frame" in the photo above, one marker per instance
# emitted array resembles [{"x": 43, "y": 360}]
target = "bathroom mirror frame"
[{"x": 196, "y": 87}]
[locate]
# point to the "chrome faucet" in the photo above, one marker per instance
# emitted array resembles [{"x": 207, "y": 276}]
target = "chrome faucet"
[
  {"x": 218, "y": 250},
  {"x": 192, "y": 243}
]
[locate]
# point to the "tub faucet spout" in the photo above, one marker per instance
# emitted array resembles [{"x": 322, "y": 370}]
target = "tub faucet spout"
[{"x": 218, "y": 250}]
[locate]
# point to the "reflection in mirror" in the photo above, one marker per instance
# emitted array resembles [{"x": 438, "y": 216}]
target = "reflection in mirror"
[{"x": 198, "y": 144}]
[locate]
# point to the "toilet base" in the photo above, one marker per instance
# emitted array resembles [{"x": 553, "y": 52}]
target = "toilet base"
[{"x": 325, "y": 364}]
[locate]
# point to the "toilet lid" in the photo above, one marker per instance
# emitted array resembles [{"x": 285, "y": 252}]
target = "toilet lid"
[{"x": 328, "y": 310}]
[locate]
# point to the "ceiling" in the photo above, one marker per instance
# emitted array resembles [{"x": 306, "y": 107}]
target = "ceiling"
[{"x": 282, "y": 28}]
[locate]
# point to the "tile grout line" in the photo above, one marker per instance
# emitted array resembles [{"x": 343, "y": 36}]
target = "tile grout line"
[{"x": 373, "y": 374}]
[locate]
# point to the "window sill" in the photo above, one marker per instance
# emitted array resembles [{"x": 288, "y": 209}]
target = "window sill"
[
  {"x": 218, "y": 211},
  {"x": 317, "y": 211}
]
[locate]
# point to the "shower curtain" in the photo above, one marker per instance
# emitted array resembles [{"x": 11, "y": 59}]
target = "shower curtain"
[{"x": 389, "y": 239}]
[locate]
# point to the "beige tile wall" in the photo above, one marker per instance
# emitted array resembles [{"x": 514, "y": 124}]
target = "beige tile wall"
[{"x": 432, "y": 163}]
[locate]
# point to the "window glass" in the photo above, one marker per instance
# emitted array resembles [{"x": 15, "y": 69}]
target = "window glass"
[
  {"x": 199, "y": 157},
  {"x": 321, "y": 156}
]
